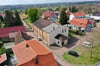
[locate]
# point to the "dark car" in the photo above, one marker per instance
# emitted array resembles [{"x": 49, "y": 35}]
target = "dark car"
[{"x": 73, "y": 53}]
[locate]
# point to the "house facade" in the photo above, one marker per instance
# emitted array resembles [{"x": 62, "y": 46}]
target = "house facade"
[
  {"x": 47, "y": 31},
  {"x": 80, "y": 24},
  {"x": 32, "y": 53}
]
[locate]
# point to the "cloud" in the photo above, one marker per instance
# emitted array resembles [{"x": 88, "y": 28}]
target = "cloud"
[{"x": 13, "y": 2}]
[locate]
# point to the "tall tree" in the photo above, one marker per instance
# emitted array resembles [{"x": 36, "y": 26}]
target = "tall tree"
[
  {"x": 17, "y": 18},
  {"x": 63, "y": 17},
  {"x": 1, "y": 18},
  {"x": 73, "y": 9},
  {"x": 33, "y": 14},
  {"x": 9, "y": 18}
]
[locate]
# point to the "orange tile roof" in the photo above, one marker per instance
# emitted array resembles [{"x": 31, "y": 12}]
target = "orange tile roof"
[
  {"x": 26, "y": 54},
  {"x": 79, "y": 14},
  {"x": 79, "y": 22},
  {"x": 3, "y": 58}
]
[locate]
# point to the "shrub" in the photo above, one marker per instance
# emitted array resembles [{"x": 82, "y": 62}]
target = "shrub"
[{"x": 70, "y": 35}]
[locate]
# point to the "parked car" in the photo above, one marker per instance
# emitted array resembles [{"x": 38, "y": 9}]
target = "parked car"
[
  {"x": 73, "y": 53},
  {"x": 87, "y": 44}
]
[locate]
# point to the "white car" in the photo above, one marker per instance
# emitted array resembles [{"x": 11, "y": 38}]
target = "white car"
[{"x": 87, "y": 44}]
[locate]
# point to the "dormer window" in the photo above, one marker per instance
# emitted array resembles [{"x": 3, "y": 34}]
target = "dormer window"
[
  {"x": 36, "y": 60},
  {"x": 27, "y": 45},
  {"x": 13, "y": 31},
  {"x": 80, "y": 23}
]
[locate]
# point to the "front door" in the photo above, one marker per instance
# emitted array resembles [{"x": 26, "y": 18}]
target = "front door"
[{"x": 62, "y": 43}]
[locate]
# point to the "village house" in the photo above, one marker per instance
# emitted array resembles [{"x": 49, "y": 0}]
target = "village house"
[
  {"x": 3, "y": 59},
  {"x": 76, "y": 15},
  {"x": 32, "y": 53},
  {"x": 49, "y": 31},
  {"x": 51, "y": 15},
  {"x": 80, "y": 24},
  {"x": 8, "y": 34},
  {"x": 94, "y": 16}
]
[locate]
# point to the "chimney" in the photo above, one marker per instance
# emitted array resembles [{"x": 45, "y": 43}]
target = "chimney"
[
  {"x": 27, "y": 45},
  {"x": 13, "y": 31}
]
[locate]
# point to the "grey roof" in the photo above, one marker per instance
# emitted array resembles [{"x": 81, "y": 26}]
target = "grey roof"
[
  {"x": 51, "y": 27},
  {"x": 41, "y": 23}
]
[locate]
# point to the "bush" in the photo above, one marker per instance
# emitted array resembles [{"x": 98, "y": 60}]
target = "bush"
[
  {"x": 77, "y": 32},
  {"x": 73, "y": 31},
  {"x": 2, "y": 50},
  {"x": 80, "y": 33},
  {"x": 70, "y": 35}
]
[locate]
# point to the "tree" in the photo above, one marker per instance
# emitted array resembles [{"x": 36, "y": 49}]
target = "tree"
[
  {"x": 17, "y": 18},
  {"x": 63, "y": 17},
  {"x": 1, "y": 18},
  {"x": 33, "y": 14},
  {"x": 73, "y": 9},
  {"x": 9, "y": 18},
  {"x": 12, "y": 19}
]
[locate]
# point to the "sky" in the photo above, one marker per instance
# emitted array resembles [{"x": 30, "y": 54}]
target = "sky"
[{"x": 14, "y": 2}]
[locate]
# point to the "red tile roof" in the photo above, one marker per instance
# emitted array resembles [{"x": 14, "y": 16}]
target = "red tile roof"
[
  {"x": 2, "y": 14},
  {"x": 4, "y": 32},
  {"x": 26, "y": 54},
  {"x": 48, "y": 13},
  {"x": 3, "y": 58},
  {"x": 79, "y": 22},
  {"x": 79, "y": 14}
]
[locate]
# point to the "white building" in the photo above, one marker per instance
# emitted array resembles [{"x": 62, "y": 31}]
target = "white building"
[{"x": 77, "y": 15}]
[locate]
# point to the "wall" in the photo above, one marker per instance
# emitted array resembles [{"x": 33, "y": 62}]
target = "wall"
[
  {"x": 88, "y": 28},
  {"x": 5, "y": 39},
  {"x": 71, "y": 17},
  {"x": 41, "y": 34},
  {"x": 56, "y": 32}
]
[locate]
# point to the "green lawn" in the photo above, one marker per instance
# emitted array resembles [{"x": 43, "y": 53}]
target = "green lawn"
[
  {"x": 28, "y": 22},
  {"x": 2, "y": 24},
  {"x": 84, "y": 52},
  {"x": 84, "y": 55}
]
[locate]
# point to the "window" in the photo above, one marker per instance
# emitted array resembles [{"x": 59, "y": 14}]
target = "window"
[
  {"x": 65, "y": 29},
  {"x": 58, "y": 42},
  {"x": 80, "y": 23},
  {"x": 62, "y": 30},
  {"x": 36, "y": 60}
]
